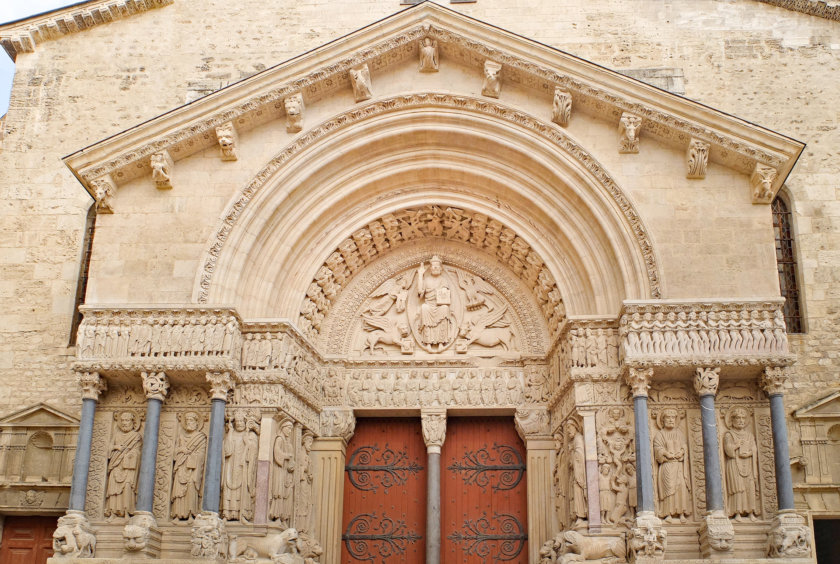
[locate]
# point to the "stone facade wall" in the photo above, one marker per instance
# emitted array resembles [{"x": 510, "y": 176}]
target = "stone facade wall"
[{"x": 764, "y": 64}]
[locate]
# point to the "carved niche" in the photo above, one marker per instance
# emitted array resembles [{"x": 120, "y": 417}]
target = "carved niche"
[{"x": 433, "y": 309}]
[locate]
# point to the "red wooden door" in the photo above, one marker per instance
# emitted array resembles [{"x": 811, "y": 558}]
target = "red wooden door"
[
  {"x": 384, "y": 517},
  {"x": 483, "y": 492},
  {"x": 27, "y": 540}
]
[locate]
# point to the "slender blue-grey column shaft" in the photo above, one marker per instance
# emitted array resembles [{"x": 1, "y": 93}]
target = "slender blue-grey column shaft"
[
  {"x": 146, "y": 479},
  {"x": 213, "y": 468},
  {"x": 81, "y": 464},
  {"x": 433, "y": 509},
  {"x": 644, "y": 466},
  {"x": 781, "y": 456},
  {"x": 711, "y": 456}
]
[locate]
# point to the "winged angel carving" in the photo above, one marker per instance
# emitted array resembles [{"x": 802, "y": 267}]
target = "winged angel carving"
[{"x": 436, "y": 308}]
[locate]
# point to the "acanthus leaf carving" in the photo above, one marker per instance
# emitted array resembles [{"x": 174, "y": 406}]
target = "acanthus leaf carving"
[
  {"x": 92, "y": 384},
  {"x": 639, "y": 380},
  {"x": 706, "y": 381},
  {"x": 697, "y": 158},
  {"x": 221, "y": 383},
  {"x": 761, "y": 182},
  {"x": 561, "y": 109},
  {"x": 774, "y": 380}
]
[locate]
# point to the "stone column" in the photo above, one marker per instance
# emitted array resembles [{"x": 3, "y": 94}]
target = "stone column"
[
  {"x": 789, "y": 536},
  {"x": 329, "y": 454},
  {"x": 141, "y": 534},
  {"x": 92, "y": 387},
  {"x": 208, "y": 536},
  {"x": 533, "y": 426},
  {"x": 646, "y": 539},
  {"x": 434, "y": 433},
  {"x": 716, "y": 532}
]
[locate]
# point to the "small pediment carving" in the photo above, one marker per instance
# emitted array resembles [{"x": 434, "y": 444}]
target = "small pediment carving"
[
  {"x": 39, "y": 415},
  {"x": 827, "y": 407}
]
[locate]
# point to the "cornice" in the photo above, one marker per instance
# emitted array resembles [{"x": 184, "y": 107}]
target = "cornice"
[
  {"x": 595, "y": 90},
  {"x": 23, "y": 35},
  {"x": 818, "y": 8}
]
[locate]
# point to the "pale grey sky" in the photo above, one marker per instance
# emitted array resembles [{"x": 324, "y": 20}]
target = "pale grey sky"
[{"x": 11, "y": 10}]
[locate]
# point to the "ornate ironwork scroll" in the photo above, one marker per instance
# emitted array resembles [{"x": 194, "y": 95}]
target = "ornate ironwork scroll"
[
  {"x": 479, "y": 466},
  {"x": 503, "y": 542},
  {"x": 368, "y": 539},
  {"x": 391, "y": 468}
]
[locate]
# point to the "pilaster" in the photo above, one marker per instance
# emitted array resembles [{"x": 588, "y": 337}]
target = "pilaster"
[{"x": 533, "y": 426}]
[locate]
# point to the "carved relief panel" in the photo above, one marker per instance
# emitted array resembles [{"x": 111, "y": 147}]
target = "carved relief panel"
[{"x": 433, "y": 309}]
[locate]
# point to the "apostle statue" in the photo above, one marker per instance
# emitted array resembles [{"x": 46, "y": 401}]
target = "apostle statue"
[
  {"x": 188, "y": 466},
  {"x": 123, "y": 462},
  {"x": 740, "y": 450},
  {"x": 435, "y": 316},
  {"x": 239, "y": 471},
  {"x": 576, "y": 460},
  {"x": 671, "y": 454},
  {"x": 304, "y": 514},
  {"x": 283, "y": 475}
]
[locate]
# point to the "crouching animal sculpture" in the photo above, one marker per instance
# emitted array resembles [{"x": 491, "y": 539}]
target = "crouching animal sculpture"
[
  {"x": 72, "y": 540},
  {"x": 572, "y": 546},
  {"x": 287, "y": 547}
]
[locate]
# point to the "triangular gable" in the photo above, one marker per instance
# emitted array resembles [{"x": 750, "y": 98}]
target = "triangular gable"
[
  {"x": 825, "y": 408},
  {"x": 752, "y": 150},
  {"x": 39, "y": 415}
]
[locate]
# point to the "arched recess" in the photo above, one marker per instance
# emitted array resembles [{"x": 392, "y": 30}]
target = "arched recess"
[{"x": 414, "y": 149}]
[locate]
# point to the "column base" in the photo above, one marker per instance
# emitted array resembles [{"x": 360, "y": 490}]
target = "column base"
[
  {"x": 141, "y": 536},
  {"x": 74, "y": 537},
  {"x": 646, "y": 539},
  {"x": 789, "y": 536},
  {"x": 717, "y": 536},
  {"x": 209, "y": 536}
]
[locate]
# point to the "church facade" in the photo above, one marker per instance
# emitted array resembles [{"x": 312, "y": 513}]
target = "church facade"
[{"x": 468, "y": 282}]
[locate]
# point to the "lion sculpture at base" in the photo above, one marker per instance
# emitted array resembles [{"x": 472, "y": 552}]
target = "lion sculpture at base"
[
  {"x": 572, "y": 546},
  {"x": 287, "y": 547}
]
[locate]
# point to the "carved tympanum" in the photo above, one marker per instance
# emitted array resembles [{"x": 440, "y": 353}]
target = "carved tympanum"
[{"x": 435, "y": 308}]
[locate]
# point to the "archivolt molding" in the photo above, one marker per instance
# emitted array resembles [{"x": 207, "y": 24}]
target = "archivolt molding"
[
  {"x": 409, "y": 101},
  {"x": 190, "y": 129},
  {"x": 338, "y": 330}
]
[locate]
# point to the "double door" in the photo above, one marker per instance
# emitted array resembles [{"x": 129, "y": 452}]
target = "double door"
[
  {"x": 483, "y": 493},
  {"x": 27, "y": 540}
]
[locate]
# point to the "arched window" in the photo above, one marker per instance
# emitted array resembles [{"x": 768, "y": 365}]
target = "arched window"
[{"x": 786, "y": 261}]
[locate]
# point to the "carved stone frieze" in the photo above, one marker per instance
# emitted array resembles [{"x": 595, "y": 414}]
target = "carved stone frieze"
[
  {"x": 162, "y": 165},
  {"x": 629, "y": 127},
  {"x": 155, "y": 340},
  {"x": 561, "y": 107},
  {"x": 532, "y": 422},
  {"x": 492, "y": 86},
  {"x": 277, "y": 396},
  {"x": 294, "y": 112},
  {"x": 337, "y": 261},
  {"x": 228, "y": 140},
  {"x": 708, "y": 334},
  {"x": 103, "y": 189},
  {"x": 435, "y": 387},
  {"x": 697, "y": 158}
]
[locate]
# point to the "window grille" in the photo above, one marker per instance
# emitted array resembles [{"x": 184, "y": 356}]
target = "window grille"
[{"x": 786, "y": 261}]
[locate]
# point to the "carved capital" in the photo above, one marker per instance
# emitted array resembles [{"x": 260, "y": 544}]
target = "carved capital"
[
  {"x": 646, "y": 539},
  {"x": 561, "y": 109},
  {"x": 162, "y": 165},
  {"x": 492, "y": 86},
  {"x": 761, "y": 182},
  {"x": 532, "y": 422},
  {"x": 221, "y": 383},
  {"x": 104, "y": 189},
  {"x": 628, "y": 128},
  {"x": 208, "y": 537},
  {"x": 789, "y": 536},
  {"x": 294, "y": 112},
  {"x": 697, "y": 158},
  {"x": 706, "y": 381},
  {"x": 639, "y": 380},
  {"x": 338, "y": 423},
  {"x": 228, "y": 140},
  {"x": 773, "y": 380},
  {"x": 434, "y": 429},
  {"x": 155, "y": 385},
  {"x": 92, "y": 384},
  {"x": 73, "y": 537}
]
